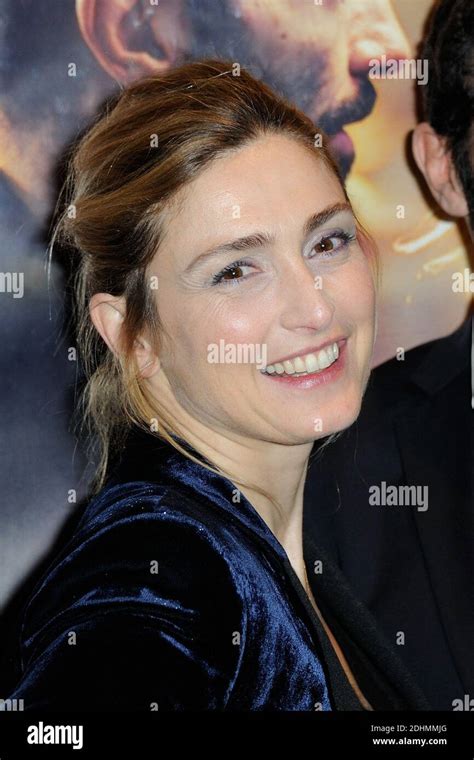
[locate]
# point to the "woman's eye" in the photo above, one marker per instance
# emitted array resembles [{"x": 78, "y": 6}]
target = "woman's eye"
[
  {"x": 232, "y": 273},
  {"x": 332, "y": 243},
  {"x": 325, "y": 245}
]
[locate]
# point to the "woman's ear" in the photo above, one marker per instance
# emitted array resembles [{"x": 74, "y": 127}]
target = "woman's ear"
[
  {"x": 130, "y": 40},
  {"x": 107, "y": 314},
  {"x": 147, "y": 361},
  {"x": 435, "y": 162}
]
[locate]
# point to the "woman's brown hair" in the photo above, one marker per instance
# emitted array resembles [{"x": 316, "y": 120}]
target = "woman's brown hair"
[{"x": 123, "y": 174}]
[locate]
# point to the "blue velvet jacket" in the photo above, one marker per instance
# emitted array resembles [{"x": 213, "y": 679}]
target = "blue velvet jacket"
[{"x": 173, "y": 595}]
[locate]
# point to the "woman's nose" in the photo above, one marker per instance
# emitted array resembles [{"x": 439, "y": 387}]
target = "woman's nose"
[
  {"x": 376, "y": 32},
  {"x": 306, "y": 302}
]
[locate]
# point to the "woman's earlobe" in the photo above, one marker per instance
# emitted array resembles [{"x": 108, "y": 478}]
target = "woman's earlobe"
[
  {"x": 147, "y": 361},
  {"x": 149, "y": 368}
]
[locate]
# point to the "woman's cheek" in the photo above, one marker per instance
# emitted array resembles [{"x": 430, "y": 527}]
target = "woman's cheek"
[
  {"x": 358, "y": 290},
  {"x": 236, "y": 320}
]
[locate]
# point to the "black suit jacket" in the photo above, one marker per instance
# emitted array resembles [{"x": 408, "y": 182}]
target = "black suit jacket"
[{"x": 413, "y": 566}]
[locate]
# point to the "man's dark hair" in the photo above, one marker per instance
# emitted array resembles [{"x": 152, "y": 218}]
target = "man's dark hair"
[{"x": 448, "y": 96}]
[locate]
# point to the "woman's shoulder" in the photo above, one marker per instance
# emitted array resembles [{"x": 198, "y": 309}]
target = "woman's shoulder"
[
  {"x": 140, "y": 518},
  {"x": 133, "y": 536},
  {"x": 140, "y": 571},
  {"x": 146, "y": 503}
]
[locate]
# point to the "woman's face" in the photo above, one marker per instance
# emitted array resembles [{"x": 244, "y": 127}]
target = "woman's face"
[{"x": 297, "y": 282}]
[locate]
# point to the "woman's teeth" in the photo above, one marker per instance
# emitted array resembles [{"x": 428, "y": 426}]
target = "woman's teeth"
[{"x": 305, "y": 364}]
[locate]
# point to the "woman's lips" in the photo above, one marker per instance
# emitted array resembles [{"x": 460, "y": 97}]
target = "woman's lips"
[{"x": 315, "y": 378}]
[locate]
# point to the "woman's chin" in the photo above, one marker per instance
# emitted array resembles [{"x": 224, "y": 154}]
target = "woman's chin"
[{"x": 329, "y": 421}]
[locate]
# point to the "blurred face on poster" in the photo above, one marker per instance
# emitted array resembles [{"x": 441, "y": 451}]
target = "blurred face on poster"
[{"x": 316, "y": 52}]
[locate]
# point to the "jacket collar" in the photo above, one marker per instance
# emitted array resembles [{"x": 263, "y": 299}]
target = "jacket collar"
[
  {"x": 445, "y": 361},
  {"x": 145, "y": 457},
  {"x": 442, "y": 360}
]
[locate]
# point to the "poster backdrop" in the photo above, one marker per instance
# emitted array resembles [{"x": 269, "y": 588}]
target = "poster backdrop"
[{"x": 59, "y": 59}]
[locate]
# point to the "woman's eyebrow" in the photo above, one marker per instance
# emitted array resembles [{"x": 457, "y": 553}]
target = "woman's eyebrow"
[{"x": 261, "y": 239}]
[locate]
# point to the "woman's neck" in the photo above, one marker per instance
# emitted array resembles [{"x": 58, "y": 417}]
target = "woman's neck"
[{"x": 277, "y": 469}]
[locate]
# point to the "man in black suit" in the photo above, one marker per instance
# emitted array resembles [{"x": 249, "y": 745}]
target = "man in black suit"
[{"x": 391, "y": 499}]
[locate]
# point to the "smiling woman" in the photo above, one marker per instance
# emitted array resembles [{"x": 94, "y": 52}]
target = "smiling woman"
[{"x": 184, "y": 585}]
